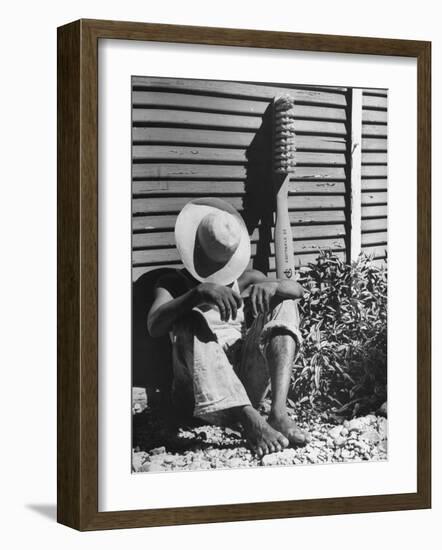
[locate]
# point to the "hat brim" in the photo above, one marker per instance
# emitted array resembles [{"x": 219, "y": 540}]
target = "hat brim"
[{"x": 186, "y": 227}]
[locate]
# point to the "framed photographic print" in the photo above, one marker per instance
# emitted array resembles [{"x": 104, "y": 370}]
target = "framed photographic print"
[{"x": 243, "y": 274}]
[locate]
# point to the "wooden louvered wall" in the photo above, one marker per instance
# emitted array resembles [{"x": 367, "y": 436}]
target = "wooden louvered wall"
[
  {"x": 194, "y": 138},
  {"x": 374, "y": 182}
]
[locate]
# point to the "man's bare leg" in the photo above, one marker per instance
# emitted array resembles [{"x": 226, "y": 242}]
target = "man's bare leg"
[
  {"x": 280, "y": 354},
  {"x": 262, "y": 438}
]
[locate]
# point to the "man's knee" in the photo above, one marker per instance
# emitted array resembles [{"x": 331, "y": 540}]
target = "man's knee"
[
  {"x": 194, "y": 324},
  {"x": 285, "y": 309},
  {"x": 281, "y": 334},
  {"x": 281, "y": 338},
  {"x": 283, "y": 323}
]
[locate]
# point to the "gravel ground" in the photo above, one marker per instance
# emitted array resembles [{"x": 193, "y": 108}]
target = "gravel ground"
[{"x": 158, "y": 447}]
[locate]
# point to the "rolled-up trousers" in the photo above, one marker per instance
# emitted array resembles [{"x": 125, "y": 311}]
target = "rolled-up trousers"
[{"x": 209, "y": 379}]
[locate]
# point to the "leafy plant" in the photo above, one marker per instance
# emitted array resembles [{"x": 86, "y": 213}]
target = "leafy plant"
[{"x": 342, "y": 362}]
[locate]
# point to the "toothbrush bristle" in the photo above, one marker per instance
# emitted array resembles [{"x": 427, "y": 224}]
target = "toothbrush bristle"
[{"x": 284, "y": 145}]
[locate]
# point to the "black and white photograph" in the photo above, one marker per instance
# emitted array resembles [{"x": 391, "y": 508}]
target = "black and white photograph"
[
  {"x": 259, "y": 274},
  {"x": 217, "y": 264}
]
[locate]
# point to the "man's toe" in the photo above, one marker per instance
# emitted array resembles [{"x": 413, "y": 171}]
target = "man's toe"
[
  {"x": 265, "y": 448},
  {"x": 298, "y": 437},
  {"x": 283, "y": 441},
  {"x": 278, "y": 446},
  {"x": 258, "y": 451}
]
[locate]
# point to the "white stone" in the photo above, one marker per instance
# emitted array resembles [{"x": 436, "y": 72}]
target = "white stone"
[
  {"x": 355, "y": 425},
  {"x": 335, "y": 432},
  {"x": 340, "y": 441}
]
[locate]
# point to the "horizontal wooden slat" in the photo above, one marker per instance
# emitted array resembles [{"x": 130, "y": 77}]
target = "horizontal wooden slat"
[
  {"x": 209, "y": 154},
  {"x": 238, "y": 89},
  {"x": 169, "y": 117},
  {"x": 300, "y": 232},
  {"x": 172, "y": 136},
  {"x": 213, "y": 138},
  {"x": 186, "y": 118},
  {"x": 152, "y": 257},
  {"x": 318, "y": 173},
  {"x": 227, "y": 105},
  {"x": 374, "y": 158},
  {"x": 376, "y": 224},
  {"x": 153, "y": 240},
  {"x": 380, "y": 263},
  {"x": 380, "y": 184},
  {"x": 188, "y": 171},
  {"x": 153, "y": 223},
  {"x": 378, "y": 130},
  {"x": 167, "y": 238},
  {"x": 152, "y": 205},
  {"x": 167, "y": 255},
  {"x": 198, "y": 102},
  {"x": 186, "y": 153},
  {"x": 304, "y": 259},
  {"x": 163, "y": 222},
  {"x": 316, "y": 187},
  {"x": 374, "y": 171},
  {"x": 374, "y": 238},
  {"x": 374, "y": 211},
  {"x": 375, "y": 91},
  {"x": 375, "y": 102},
  {"x": 319, "y": 113},
  {"x": 188, "y": 188},
  {"x": 369, "y": 198},
  {"x": 380, "y": 117},
  {"x": 374, "y": 144},
  {"x": 306, "y": 143},
  {"x": 377, "y": 251},
  {"x": 137, "y": 272},
  {"x": 161, "y": 256},
  {"x": 232, "y": 172},
  {"x": 212, "y": 188}
]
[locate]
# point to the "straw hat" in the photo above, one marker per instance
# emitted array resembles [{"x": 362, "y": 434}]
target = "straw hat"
[{"x": 212, "y": 240}]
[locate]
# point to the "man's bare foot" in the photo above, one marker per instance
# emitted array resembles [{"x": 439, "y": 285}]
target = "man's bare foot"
[
  {"x": 288, "y": 427},
  {"x": 262, "y": 438}
]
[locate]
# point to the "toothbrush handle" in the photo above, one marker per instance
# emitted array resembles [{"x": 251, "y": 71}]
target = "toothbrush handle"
[{"x": 285, "y": 268}]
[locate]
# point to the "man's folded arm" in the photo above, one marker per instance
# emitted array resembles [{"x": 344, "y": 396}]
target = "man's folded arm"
[
  {"x": 285, "y": 289},
  {"x": 166, "y": 310}
]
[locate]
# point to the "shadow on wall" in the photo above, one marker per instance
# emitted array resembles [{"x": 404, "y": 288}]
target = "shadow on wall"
[
  {"x": 259, "y": 196},
  {"x": 148, "y": 352}
]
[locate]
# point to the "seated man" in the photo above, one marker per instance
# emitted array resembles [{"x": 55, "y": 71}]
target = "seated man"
[{"x": 221, "y": 368}]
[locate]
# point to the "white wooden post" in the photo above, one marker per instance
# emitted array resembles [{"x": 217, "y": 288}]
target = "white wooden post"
[{"x": 355, "y": 176}]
